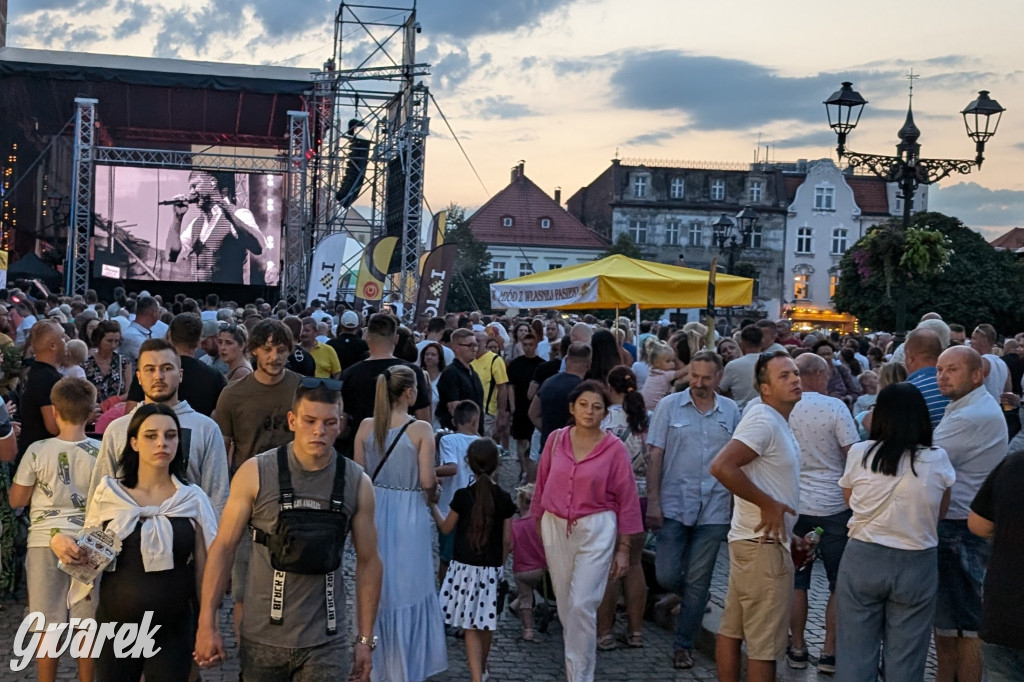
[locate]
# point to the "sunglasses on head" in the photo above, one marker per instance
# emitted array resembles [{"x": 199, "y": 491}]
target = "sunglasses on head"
[{"x": 316, "y": 382}]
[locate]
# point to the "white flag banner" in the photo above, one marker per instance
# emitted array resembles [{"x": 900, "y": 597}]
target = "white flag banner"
[
  {"x": 328, "y": 268},
  {"x": 543, "y": 295}
]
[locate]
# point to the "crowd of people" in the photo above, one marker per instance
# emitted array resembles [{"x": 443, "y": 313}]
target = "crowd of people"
[{"x": 236, "y": 449}]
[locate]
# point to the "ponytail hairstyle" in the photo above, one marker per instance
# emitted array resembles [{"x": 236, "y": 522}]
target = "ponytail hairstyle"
[
  {"x": 622, "y": 380},
  {"x": 391, "y": 383},
  {"x": 482, "y": 456},
  {"x": 647, "y": 349}
]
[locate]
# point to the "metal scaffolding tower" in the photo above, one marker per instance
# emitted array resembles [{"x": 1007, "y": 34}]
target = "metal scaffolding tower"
[{"x": 77, "y": 269}]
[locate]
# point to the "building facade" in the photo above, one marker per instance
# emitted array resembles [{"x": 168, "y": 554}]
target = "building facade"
[
  {"x": 527, "y": 231},
  {"x": 669, "y": 211},
  {"x": 829, "y": 210}
]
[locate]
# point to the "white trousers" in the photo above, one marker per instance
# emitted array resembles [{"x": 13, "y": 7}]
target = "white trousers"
[{"x": 579, "y": 563}]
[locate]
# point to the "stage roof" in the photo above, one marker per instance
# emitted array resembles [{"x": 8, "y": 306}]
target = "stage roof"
[{"x": 152, "y": 102}]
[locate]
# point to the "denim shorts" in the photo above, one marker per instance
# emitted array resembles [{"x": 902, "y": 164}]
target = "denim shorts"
[
  {"x": 963, "y": 557},
  {"x": 322, "y": 663},
  {"x": 830, "y": 549}
]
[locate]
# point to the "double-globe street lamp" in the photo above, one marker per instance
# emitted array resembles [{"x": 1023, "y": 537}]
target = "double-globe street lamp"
[
  {"x": 733, "y": 237},
  {"x": 907, "y": 169}
]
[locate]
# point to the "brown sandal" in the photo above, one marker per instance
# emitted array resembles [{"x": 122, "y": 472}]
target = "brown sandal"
[{"x": 635, "y": 640}]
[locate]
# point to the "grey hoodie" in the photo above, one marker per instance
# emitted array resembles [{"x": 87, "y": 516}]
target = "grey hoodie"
[{"x": 207, "y": 459}]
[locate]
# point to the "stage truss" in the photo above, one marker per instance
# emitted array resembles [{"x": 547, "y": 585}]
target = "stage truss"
[{"x": 382, "y": 91}]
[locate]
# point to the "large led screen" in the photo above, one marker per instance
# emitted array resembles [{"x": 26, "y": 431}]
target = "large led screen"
[{"x": 187, "y": 225}]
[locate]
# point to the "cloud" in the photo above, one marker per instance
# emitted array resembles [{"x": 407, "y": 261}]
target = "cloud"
[
  {"x": 465, "y": 19},
  {"x": 51, "y": 30},
  {"x": 991, "y": 210},
  {"x": 139, "y": 15},
  {"x": 818, "y": 138},
  {"x": 500, "y": 106},
  {"x": 654, "y": 137}
]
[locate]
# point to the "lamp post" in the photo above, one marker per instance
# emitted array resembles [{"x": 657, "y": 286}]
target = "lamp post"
[
  {"x": 732, "y": 237},
  {"x": 906, "y": 167}
]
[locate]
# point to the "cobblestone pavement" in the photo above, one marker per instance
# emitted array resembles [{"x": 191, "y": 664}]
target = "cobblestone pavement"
[{"x": 513, "y": 660}]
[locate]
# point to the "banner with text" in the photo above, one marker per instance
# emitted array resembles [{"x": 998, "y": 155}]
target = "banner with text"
[
  {"x": 435, "y": 279},
  {"x": 548, "y": 295},
  {"x": 325, "y": 275}
]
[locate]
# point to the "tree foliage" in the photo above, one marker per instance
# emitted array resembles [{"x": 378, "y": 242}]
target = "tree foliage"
[
  {"x": 625, "y": 246},
  {"x": 978, "y": 284},
  {"x": 470, "y": 287}
]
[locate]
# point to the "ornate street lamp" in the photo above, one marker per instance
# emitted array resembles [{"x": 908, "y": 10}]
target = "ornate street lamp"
[
  {"x": 907, "y": 168},
  {"x": 732, "y": 236}
]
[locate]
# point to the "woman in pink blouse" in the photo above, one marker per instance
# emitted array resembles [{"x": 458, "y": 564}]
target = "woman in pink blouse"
[{"x": 588, "y": 507}]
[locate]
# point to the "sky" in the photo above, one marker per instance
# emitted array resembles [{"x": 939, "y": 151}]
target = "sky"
[{"x": 568, "y": 85}]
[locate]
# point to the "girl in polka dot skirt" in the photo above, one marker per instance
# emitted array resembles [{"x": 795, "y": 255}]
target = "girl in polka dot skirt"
[{"x": 481, "y": 516}]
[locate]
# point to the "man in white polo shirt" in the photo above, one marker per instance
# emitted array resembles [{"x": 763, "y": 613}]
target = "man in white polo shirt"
[{"x": 760, "y": 466}]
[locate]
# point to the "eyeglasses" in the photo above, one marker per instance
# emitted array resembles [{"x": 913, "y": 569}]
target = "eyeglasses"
[
  {"x": 469, "y": 345},
  {"x": 317, "y": 382}
]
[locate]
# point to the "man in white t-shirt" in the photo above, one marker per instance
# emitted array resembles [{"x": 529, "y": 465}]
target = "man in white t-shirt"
[
  {"x": 552, "y": 336},
  {"x": 997, "y": 374},
  {"x": 825, "y": 431},
  {"x": 760, "y": 466}
]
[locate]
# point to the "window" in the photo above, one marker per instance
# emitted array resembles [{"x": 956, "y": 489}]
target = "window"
[
  {"x": 554, "y": 266},
  {"x": 638, "y": 231},
  {"x": 755, "y": 191},
  {"x": 639, "y": 186},
  {"x": 756, "y": 237},
  {"x": 824, "y": 198},
  {"x": 696, "y": 234},
  {"x": 717, "y": 190},
  {"x": 672, "y": 233},
  {"x": 676, "y": 188},
  {"x": 833, "y": 282},
  {"x": 839, "y": 240},
  {"x": 498, "y": 269},
  {"x": 525, "y": 269},
  {"x": 508, "y": 221},
  {"x": 801, "y": 287},
  {"x": 804, "y": 240},
  {"x": 899, "y": 203},
  {"x": 545, "y": 223}
]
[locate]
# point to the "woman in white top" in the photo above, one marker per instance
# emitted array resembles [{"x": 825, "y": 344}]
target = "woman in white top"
[
  {"x": 432, "y": 363},
  {"x": 629, "y": 420},
  {"x": 898, "y": 488}
]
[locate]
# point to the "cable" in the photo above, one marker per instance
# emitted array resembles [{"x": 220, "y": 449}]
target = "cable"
[{"x": 461, "y": 148}]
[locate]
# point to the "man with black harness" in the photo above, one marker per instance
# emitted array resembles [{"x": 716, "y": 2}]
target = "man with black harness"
[{"x": 297, "y": 503}]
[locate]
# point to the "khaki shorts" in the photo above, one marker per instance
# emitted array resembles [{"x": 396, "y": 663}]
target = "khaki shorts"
[{"x": 759, "y": 599}]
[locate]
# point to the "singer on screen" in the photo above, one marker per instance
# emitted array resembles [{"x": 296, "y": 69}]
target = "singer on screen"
[{"x": 217, "y": 244}]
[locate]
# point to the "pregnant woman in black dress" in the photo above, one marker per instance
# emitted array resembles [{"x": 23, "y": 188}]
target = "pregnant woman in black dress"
[{"x": 165, "y": 525}]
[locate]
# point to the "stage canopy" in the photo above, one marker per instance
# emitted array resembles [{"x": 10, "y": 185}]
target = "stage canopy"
[
  {"x": 153, "y": 101},
  {"x": 618, "y": 281}
]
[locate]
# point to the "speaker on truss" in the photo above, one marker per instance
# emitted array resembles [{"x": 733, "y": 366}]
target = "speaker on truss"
[
  {"x": 355, "y": 167},
  {"x": 394, "y": 208}
]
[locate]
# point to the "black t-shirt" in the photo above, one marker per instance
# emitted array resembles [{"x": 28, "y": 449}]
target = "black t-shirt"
[
  {"x": 200, "y": 385},
  {"x": 1015, "y": 364},
  {"x": 350, "y": 349},
  {"x": 999, "y": 500},
  {"x": 301, "y": 362},
  {"x": 34, "y": 397},
  {"x": 554, "y": 403},
  {"x": 490, "y": 554},
  {"x": 547, "y": 369},
  {"x": 457, "y": 382},
  {"x": 520, "y": 374},
  {"x": 359, "y": 388}
]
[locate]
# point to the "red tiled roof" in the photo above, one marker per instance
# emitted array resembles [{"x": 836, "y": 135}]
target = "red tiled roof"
[
  {"x": 792, "y": 181},
  {"x": 870, "y": 194},
  {"x": 1012, "y": 240},
  {"x": 527, "y": 204}
]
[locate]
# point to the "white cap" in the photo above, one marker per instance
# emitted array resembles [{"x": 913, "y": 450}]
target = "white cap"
[{"x": 349, "y": 319}]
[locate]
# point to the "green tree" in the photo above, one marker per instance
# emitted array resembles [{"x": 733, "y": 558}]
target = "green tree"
[
  {"x": 625, "y": 246},
  {"x": 979, "y": 284},
  {"x": 470, "y": 288}
]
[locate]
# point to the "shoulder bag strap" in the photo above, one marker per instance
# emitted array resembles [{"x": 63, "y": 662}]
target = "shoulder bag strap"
[
  {"x": 390, "y": 449},
  {"x": 284, "y": 479},
  {"x": 491, "y": 386},
  {"x": 338, "y": 491}
]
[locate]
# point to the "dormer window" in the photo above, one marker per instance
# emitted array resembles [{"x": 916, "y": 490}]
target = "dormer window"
[
  {"x": 545, "y": 223},
  {"x": 508, "y": 221}
]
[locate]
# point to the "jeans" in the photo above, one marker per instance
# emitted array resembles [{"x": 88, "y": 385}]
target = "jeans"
[
  {"x": 963, "y": 558},
  {"x": 1003, "y": 663},
  {"x": 321, "y": 663},
  {"x": 895, "y": 606},
  {"x": 684, "y": 560}
]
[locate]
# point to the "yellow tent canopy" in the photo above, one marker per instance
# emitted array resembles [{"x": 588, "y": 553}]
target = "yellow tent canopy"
[{"x": 618, "y": 281}]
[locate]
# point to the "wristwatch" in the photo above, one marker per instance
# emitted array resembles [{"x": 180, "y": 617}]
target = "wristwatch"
[{"x": 368, "y": 641}]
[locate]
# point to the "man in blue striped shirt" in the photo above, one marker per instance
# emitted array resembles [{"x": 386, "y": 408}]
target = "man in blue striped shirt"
[{"x": 921, "y": 353}]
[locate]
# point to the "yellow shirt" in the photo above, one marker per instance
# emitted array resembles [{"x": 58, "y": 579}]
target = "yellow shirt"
[
  {"x": 327, "y": 364},
  {"x": 482, "y": 366}
]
